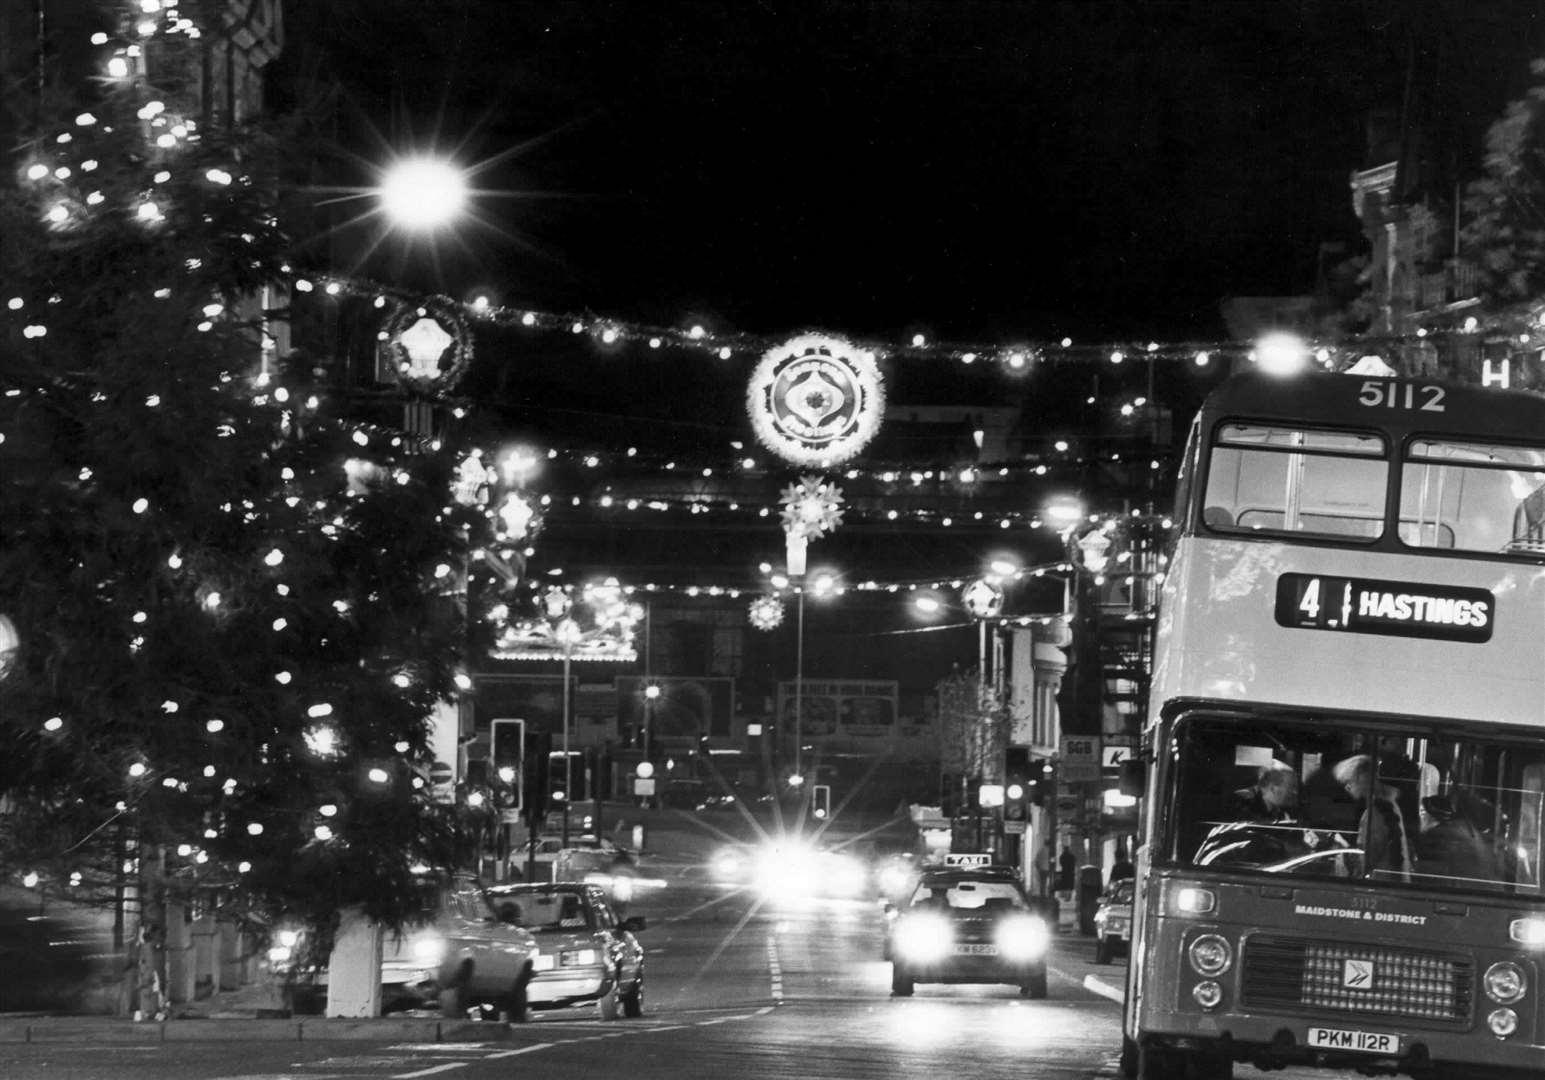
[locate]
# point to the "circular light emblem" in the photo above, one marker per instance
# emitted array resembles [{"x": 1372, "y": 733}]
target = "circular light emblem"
[{"x": 816, "y": 399}]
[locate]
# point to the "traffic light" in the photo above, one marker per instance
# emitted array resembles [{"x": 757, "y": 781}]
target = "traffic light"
[
  {"x": 821, "y": 801},
  {"x": 1018, "y": 788},
  {"x": 506, "y": 762}
]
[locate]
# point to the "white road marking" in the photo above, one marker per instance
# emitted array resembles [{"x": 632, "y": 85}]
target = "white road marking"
[
  {"x": 432, "y": 1070},
  {"x": 774, "y": 967}
]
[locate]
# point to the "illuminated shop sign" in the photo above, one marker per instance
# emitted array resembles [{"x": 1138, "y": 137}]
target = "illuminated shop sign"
[{"x": 1396, "y": 608}]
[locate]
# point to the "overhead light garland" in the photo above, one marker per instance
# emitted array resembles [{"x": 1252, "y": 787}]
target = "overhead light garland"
[{"x": 1522, "y": 330}]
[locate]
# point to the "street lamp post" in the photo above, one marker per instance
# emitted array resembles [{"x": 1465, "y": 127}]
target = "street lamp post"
[
  {"x": 568, "y": 633},
  {"x": 799, "y": 685}
]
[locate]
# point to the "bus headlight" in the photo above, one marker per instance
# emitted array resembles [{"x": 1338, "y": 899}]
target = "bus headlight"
[
  {"x": 1022, "y": 937},
  {"x": 1505, "y": 982},
  {"x": 1210, "y": 955},
  {"x": 1207, "y": 994},
  {"x": 921, "y": 938},
  {"x": 1503, "y": 1022}
]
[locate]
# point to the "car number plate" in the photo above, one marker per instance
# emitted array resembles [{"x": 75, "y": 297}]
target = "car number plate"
[
  {"x": 1367, "y": 1042},
  {"x": 976, "y": 950}
]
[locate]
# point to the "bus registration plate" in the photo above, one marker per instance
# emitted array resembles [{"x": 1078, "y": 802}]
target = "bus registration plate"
[{"x": 1368, "y": 1042}]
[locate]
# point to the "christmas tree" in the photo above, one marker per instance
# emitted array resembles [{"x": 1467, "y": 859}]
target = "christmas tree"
[
  {"x": 1505, "y": 234},
  {"x": 237, "y": 607}
]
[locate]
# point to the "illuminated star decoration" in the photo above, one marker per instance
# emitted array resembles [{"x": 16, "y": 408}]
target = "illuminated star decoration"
[
  {"x": 766, "y": 612},
  {"x": 816, "y": 399},
  {"x": 811, "y": 508},
  {"x": 983, "y": 599}
]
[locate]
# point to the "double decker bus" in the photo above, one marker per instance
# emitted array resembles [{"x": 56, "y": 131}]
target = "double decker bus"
[{"x": 1344, "y": 751}]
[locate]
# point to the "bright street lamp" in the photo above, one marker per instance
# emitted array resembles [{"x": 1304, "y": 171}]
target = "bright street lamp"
[{"x": 422, "y": 194}]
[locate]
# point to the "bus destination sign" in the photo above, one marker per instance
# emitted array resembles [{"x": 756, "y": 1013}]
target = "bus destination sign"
[{"x": 1396, "y": 608}]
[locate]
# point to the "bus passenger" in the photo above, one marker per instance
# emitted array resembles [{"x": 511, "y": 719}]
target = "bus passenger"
[
  {"x": 1274, "y": 798},
  {"x": 1264, "y": 829},
  {"x": 1382, "y": 831}
]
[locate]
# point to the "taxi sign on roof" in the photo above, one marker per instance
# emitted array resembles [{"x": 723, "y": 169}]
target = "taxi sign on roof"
[{"x": 967, "y": 858}]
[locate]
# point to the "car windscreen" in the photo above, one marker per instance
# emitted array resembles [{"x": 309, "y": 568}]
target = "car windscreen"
[{"x": 969, "y": 896}]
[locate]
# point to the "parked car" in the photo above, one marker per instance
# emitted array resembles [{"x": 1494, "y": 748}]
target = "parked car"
[
  {"x": 463, "y": 956},
  {"x": 968, "y": 925},
  {"x": 1113, "y": 923},
  {"x": 587, "y": 954}
]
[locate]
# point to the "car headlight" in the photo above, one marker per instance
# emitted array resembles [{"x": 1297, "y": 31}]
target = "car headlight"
[
  {"x": 1505, "y": 982},
  {"x": 922, "y": 938},
  {"x": 428, "y": 948},
  {"x": 578, "y": 957},
  {"x": 1022, "y": 937}
]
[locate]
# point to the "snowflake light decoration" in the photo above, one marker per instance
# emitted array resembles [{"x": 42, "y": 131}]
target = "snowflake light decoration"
[
  {"x": 811, "y": 508},
  {"x": 766, "y": 612}
]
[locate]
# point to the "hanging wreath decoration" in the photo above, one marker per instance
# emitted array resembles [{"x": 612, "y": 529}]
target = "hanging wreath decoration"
[
  {"x": 816, "y": 399},
  {"x": 429, "y": 345},
  {"x": 766, "y": 612}
]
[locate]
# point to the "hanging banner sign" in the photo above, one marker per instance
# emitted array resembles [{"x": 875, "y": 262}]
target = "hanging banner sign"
[
  {"x": 816, "y": 399},
  {"x": 1395, "y": 608}
]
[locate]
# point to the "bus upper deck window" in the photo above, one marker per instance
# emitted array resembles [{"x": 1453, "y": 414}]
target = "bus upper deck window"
[
  {"x": 1473, "y": 497},
  {"x": 1272, "y": 479}
]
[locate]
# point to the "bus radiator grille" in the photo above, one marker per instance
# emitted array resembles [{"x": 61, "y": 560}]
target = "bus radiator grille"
[{"x": 1368, "y": 980}]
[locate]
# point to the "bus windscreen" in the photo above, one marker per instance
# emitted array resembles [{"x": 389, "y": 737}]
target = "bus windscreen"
[{"x": 1317, "y": 797}]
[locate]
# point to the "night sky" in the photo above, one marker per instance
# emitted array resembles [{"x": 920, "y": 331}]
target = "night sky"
[{"x": 968, "y": 170}]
